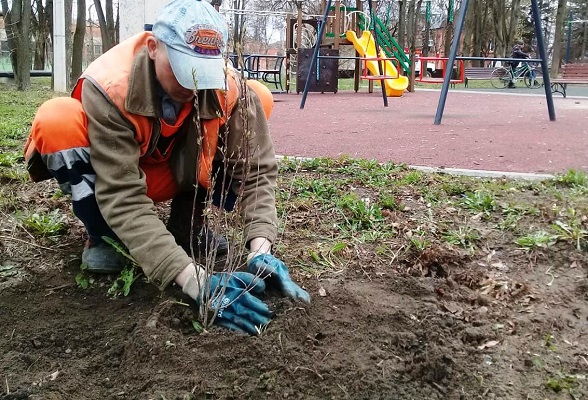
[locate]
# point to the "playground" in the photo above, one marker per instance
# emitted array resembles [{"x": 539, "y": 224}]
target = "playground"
[{"x": 481, "y": 130}]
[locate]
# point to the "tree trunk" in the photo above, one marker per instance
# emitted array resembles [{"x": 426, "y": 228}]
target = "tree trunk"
[
  {"x": 39, "y": 57},
  {"x": 477, "y": 32},
  {"x": 544, "y": 10},
  {"x": 40, "y": 34},
  {"x": 449, "y": 29},
  {"x": 558, "y": 38},
  {"x": 402, "y": 24},
  {"x": 68, "y": 6},
  {"x": 410, "y": 21},
  {"x": 18, "y": 31},
  {"x": 412, "y": 24},
  {"x": 23, "y": 80},
  {"x": 584, "y": 40},
  {"x": 498, "y": 21},
  {"x": 117, "y": 24},
  {"x": 427, "y": 36},
  {"x": 77, "y": 53},
  {"x": 110, "y": 24},
  {"x": 107, "y": 27},
  {"x": 478, "y": 29},
  {"x": 238, "y": 26},
  {"x": 470, "y": 28}
]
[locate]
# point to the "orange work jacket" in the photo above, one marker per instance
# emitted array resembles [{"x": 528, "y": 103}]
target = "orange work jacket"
[{"x": 112, "y": 73}]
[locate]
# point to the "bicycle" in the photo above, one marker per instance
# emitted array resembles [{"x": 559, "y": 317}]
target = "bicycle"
[{"x": 502, "y": 76}]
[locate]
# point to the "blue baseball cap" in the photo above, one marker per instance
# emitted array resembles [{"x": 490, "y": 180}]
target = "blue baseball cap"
[{"x": 195, "y": 36}]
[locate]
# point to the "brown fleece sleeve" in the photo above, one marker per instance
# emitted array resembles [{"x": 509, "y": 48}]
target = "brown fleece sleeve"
[{"x": 121, "y": 191}]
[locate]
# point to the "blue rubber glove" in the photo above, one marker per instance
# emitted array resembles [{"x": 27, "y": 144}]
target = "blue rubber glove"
[
  {"x": 238, "y": 309},
  {"x": 269, "y": 267}
]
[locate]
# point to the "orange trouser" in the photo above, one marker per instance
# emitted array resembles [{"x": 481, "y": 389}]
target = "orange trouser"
[{"x": 59, "y": 133}]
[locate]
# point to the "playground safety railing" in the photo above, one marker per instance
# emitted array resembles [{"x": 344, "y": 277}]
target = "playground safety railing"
[{"x": 422, "y": 76}]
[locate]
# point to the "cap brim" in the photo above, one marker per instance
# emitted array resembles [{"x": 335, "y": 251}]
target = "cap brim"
[{"x": 197, "y": 72}]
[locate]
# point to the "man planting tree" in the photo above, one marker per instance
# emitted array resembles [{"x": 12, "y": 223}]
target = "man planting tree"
[{"x": 158, "y": 117}]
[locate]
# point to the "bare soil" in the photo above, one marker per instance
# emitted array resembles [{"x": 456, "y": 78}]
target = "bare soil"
[{"x": 385, "y": 323}]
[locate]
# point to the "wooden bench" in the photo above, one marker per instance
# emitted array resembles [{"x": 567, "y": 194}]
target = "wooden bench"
[
  {"x": 476, "y": 73},
  {"x": 571, "y": 74}
]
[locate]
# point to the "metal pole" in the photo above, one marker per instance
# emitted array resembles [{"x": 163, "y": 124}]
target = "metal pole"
[
  {"x": 381, "y": 70},
  {"x": 543, "y": 57},
  {"x": 59, "y": 54},
  {"x": 314, "y": 55},
  {"x": 451, "y": 61}
]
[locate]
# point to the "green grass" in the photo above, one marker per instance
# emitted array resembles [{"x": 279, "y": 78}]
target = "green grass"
[
  {"x": 9, "y": 158},
  {"x": 573, "y": 178},
  {"x": 365, "y": 203},
  {"x": 17, "y": 110},
  {"x": 479, "y": 202},
  {"x": 463, "y": 236}
]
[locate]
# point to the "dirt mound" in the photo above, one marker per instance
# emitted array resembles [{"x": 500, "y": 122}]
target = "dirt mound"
[{"x": 380, "y": 335}]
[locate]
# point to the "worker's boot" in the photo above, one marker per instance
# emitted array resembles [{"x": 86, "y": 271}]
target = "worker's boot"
[
  {"x": 205, "y": 241},
  {"x": 102, "y": 258}
]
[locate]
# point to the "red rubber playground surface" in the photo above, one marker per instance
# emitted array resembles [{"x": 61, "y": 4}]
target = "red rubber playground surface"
[{"x": 502, "y": 131}]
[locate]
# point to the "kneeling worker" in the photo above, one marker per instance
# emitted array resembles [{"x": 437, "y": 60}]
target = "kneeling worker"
[{"x": 130, "y": 136}]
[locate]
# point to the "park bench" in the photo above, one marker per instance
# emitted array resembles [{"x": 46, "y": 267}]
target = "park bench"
[
  {"x": 571, "y": 74},
  {"x": 476, "y": 73}
]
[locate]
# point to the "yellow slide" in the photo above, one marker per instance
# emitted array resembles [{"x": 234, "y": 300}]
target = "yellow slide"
[{"x": 366, "y": 47}]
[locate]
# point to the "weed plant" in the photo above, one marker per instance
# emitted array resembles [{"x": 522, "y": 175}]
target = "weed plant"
[
  {"x": 536, "y": 240},
  {"x": 48, "y": 224}
]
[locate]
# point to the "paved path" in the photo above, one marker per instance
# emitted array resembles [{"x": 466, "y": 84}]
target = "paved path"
[{"x": 503, "y": 131}]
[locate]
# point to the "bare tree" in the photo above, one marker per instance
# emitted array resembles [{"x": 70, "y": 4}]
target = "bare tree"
[
  {"x": 515, "y": 17},
  {"x": 412, "y": 24},
  {"x": 558, "y": 38},
  {"x": 41, "y": 32},
  {"x": 18, "y": 31},
  {"x": 449, "y": 29},
  {"x": 239, "y": 19},
  {"x": 578, "y": 11},
  {"x": 478, "y": 32},
  {"x": 402, "y": 23},
  {"x": 78, "y": 43},
  {"x": 68, "y": 6},
  {"x": 108, "y": 27},
  {"x": 584, "y": 44}
]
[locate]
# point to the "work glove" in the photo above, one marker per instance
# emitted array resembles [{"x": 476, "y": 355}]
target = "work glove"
[
  {"x": 275, "y": 271},
  {"x": 229, "y": 295}
]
